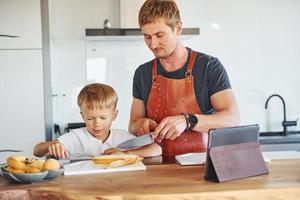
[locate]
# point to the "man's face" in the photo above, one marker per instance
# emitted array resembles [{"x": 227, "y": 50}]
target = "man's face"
[
  {"x": 160, "y": 38},
  {"x": 98, "y": 121}
]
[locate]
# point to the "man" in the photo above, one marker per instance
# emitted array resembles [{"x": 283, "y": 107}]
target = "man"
[{"x": 181, "y": 94}]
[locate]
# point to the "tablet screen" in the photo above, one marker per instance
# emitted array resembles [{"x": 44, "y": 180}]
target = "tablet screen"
[
  {"x": 233, "y": 135},
  {"x": 227, "y": 136}
]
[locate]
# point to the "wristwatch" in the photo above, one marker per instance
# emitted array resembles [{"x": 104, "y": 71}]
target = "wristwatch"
[
  {"x": 193, "y": 120},
  {"x": 186, "y": 116}
]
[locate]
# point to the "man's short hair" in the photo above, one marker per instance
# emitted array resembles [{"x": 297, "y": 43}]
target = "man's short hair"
[
  {"x": 153, "y": 10},
  {"x": 97, "y": 95}
]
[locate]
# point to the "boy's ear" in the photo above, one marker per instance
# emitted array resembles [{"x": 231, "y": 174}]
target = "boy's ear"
[
  {"x": 115, "y": 114},
  {"x": 82, "y": 116}
]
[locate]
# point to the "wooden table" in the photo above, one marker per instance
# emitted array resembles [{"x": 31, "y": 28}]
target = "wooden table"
[{"x": 169, "y": 181}]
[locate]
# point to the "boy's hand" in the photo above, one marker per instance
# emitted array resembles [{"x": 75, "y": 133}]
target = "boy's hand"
[
  {"x": 58, "y": 150},
  {"x": 112, "y": 151}
]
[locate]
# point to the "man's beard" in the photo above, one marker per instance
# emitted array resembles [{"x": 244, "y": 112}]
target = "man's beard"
[{"x": 165, "y": 55}]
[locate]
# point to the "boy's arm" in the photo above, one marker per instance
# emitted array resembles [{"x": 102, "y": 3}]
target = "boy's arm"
[
  {"x": 41, "y": 149},
  {"x": 149, "y": 150},
  {"x": 54, "y": 148}
]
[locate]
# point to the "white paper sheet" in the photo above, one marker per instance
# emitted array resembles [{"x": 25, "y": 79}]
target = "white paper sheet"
[{"x": 88, "y": 167}]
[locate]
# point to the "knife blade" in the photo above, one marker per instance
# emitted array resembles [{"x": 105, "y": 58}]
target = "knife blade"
[{"x": 136, "y": 142}]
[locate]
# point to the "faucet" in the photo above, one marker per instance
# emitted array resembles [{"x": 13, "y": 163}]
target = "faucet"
[{"x": 285, "y": 123}]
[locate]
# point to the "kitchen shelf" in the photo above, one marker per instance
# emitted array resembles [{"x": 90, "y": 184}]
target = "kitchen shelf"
[{"x": 117, "y": 34}]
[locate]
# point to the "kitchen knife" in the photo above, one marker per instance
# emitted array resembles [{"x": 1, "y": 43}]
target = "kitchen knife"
[{"x": 136, "y": 142}]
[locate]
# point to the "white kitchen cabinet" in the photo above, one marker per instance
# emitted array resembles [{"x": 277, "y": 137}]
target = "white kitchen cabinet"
[
  {"x": 21, "y": 77},
  {"x": 22, "y": 100},
  {"x": 23, "y": 19}
]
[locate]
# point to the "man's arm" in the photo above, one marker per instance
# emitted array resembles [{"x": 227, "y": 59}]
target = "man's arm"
[
  {"x": 139, "y": 124},
  {"x": 226, "y": 115}
]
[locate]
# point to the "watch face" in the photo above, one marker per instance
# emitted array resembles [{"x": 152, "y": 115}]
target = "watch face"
[{"x": 194, "y": 119}]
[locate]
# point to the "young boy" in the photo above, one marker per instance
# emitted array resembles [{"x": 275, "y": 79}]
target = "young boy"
[{"x": 97, "y": 103}]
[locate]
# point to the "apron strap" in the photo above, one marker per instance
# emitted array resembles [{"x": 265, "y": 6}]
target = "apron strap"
[
  {"x": 154, "y": 70},
  {"x": 191, "y": 64},
  {"x": 187, "y": 73}
]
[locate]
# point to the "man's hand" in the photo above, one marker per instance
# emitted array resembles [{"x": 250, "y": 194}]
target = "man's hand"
[
  {"x": 145, "y": 125},
  {"x": 58, "y": 150},
  {"x": 113, "y": 151},
  {"x": 170, "y": 127}
]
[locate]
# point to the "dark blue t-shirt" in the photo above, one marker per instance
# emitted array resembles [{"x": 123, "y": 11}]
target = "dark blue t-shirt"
[{"x": 209, "y": 74}]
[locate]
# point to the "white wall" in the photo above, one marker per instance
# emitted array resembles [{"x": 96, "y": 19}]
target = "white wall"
[
  {"x": 256, "y": 40},
  {"x": 258, "y": 44},
  {"x": 68, "y": 21}
]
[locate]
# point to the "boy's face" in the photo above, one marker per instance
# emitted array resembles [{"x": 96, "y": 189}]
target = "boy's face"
[
  {"x": 160, "y": 38},
  {"x": 98, "y": 121}
]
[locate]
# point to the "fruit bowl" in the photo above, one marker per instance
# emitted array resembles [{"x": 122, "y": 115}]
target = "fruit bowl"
[
  {"x": 52, "y": 174},
  {"x": 29, "y": 177}
]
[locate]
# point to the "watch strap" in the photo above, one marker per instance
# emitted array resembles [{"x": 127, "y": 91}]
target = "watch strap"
[{"x": 186, "y": 119}]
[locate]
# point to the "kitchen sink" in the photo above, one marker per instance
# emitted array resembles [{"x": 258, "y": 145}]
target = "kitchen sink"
[
  {"x": 279, "y": 137},
  {"x": 279, "y": 133}
]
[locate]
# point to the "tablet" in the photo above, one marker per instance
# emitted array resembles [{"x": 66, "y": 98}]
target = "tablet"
[{"x": 227, "y": 136}]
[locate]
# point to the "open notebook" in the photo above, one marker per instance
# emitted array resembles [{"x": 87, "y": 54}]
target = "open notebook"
[
  {"x": 191, "y": 158},
  {"x": 199, "y": 158},
  {"x": 282, "y": 155}
]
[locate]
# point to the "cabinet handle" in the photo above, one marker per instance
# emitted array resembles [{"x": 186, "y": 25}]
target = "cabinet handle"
[
  {"x": 10, "y": 150},
  {"x": 10, "y": 36}
]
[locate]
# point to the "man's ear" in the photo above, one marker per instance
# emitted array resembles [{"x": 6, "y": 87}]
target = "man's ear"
[
  {"x": 178, "y": 28},
  {"x": 115, "y": 114}
]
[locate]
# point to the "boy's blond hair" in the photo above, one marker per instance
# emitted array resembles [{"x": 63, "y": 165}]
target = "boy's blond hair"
[
  {"x": 97, "y": 95},
  {"x": 153, "y": 10}
]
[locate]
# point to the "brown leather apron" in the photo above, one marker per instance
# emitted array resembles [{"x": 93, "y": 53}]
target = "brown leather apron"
[{"x": 169, "y": 97}]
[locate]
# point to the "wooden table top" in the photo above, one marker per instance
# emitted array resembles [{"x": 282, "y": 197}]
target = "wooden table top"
[{"x": 169, "y": 181}]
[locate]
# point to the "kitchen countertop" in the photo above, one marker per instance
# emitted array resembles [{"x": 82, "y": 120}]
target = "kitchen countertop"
[{"x": 168, "y": 181}]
